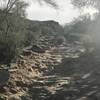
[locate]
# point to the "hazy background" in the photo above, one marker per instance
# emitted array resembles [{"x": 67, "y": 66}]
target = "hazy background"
[{"x": 65, "y": 14}]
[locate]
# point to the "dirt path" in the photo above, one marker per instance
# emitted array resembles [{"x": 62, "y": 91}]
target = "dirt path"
[{"x": 36, "y": 77}]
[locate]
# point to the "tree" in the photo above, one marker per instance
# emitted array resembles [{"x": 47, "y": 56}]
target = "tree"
[
  {"x": 11, "y": 28},
  {"x": 49, "y": 2},
  {"x": 94, "y": 27},
  {"x": 79, "y": 25},
  {"x": 86, "y": 3},
  {"x": 12, "y": 15}
]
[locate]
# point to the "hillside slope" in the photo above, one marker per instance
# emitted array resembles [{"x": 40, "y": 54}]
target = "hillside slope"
[{"x": 47, "y": 33}]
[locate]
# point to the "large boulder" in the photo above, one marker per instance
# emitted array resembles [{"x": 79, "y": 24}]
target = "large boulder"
[
  {"x": 37, "y": 49},
  {"x": 4, "y": 76},
  {"x": 33, "y": 48}
]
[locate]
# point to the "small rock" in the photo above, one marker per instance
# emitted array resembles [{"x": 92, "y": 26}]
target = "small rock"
[
  {"x": 21, "y": 83},
  {"x": 98, "y": 96},
  {"x": 3, "y": 97},
  {"x": 27, "y": 52},
  {"x": 14, "y": 98},
  {"x": 12, "y": 90},
  {"x": 3, "y": 89},
  {"x": 30, "y": 69},
  {"x": 86, "y": 75},
  {"x": 83, "y": 98}
]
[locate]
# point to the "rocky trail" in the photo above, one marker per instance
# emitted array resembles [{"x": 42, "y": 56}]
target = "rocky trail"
[{"x": 61, "y": 73}]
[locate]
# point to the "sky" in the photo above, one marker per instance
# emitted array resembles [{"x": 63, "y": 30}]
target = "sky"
[{"x": 65, "y": 14}]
